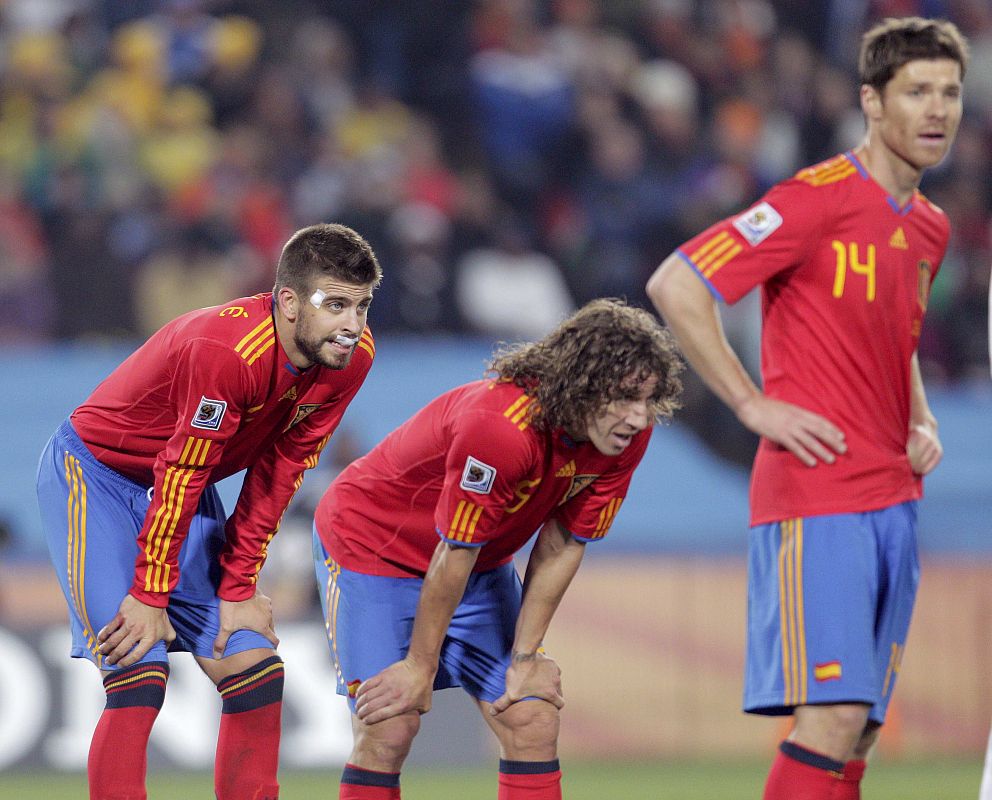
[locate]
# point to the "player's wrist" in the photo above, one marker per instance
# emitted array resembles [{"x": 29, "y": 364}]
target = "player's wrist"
[
  {"x": 522, "y": 656},
  {"x": 154, "y": 599}
]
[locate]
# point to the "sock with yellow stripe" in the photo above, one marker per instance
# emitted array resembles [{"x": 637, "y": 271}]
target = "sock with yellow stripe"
[
  {"x": 368, "y": 784},
  {"x": 801, "y": 774},
  {"x": 248, "y": 742},
  {"x": 529, "y": 780},
  {"x": 118, "y": 757}
]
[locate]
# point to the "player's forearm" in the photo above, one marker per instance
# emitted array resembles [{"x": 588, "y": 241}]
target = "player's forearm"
[
  {"x": 553, "y": 563},
  {"x": 442, "y": 591},
  {"x": 691, "y": 314},
  {"x": 266, "y": 493},
  {"x": 919, "y": 408},
  {"x": 174, "y": 503}
]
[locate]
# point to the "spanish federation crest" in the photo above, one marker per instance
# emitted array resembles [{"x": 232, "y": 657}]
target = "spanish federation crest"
[
  {"x": 302, "y": 412},
  {"x": 579, "y": 482}
]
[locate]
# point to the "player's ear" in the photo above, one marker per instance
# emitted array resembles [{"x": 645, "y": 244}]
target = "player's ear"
[
  {"x": 871, "y": 102},
  {"x": 288, "y": 302}
]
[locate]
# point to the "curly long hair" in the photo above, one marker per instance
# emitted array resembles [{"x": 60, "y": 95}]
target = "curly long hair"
[{"x": 602, "y": 353}]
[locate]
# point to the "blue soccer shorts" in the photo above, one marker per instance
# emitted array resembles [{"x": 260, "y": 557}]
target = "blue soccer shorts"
[
  {"x": 369, "y": 620},
  {"x": 92, "y": 517},
  {"x": 829, "y": 604}
]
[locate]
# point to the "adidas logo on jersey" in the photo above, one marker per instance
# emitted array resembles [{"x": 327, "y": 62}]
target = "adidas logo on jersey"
[
  {"x": 898, "y": 240},
  {"x": 567, "y": 471},
  {"x": 290, "y": 394}
]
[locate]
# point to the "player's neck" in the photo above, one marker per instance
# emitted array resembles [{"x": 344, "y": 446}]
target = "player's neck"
[{"x": 895, "y": 175}]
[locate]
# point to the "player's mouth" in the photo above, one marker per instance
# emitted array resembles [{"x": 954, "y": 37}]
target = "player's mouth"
[
  {"x": 933, "y": 137},
  {"x": 622, "y": 439},
  {"x": 343, "y": 343}
]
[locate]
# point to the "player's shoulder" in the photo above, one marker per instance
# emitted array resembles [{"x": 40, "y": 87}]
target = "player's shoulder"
[
  {"x": 832, "y": 172},
  {"x": 931, "y": 220},
  {"x": 928, "y": 207},
  {"x": 499, "y": 407},
  {"x": 245, "y": 324}
]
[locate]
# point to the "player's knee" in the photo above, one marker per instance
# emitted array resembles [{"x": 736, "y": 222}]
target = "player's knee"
[
  {"x": 831, "y": 728},
  {"x": 386, "y": 743},
  {"x": 530, "y": 725},
  {"x": 849, "y": 720}
]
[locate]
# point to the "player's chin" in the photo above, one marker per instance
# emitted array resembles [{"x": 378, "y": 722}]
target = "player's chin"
[{"x": 333, "y": 357}]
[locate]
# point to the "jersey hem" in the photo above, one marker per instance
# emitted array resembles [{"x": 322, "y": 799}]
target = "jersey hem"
[{"x": 795, "y": 513}]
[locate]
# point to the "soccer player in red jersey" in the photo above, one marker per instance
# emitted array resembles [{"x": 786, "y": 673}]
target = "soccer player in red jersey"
[
  {"x": 844, "y": 253},
  {"x": 146, "y": 556},
  {"x": 413, "y": 543}
]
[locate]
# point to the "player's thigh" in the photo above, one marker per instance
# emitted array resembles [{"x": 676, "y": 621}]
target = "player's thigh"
[
  {"x": 91, "y": 516},
  {"x": 813, "y": 589},
  {"x": 368, "y": 619},
  {"x": 895, "y": 531}
]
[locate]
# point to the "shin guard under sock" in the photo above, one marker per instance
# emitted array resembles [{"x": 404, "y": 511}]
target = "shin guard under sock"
[
  {"x": 118, "y": 757},
  {"x": 248, "y": 741}
]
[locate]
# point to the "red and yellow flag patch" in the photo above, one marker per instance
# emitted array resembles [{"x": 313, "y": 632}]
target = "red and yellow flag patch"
[
  {"x": 353, "y": 687},
  {"x": 828, "y": 671}
]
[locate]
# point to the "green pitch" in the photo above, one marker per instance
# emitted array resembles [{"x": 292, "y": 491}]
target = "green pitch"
[{"x": 945, "y": 780}]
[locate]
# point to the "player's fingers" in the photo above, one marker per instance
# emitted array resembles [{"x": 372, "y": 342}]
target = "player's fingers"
[
  {"x": 800, "y": 452},
  {"x": 367, "y": 687},
  {"x": 137, "y": 652},
  {"x": 220, "y": 643},
  {"x": 111, "y": 627},
  {"x": 501, "y": 704},
  {"x": 114, "y": 641},
  {"x": 371, "y": 713},
  {"x": 816, "y": 448},
  {"x": 118, "y": 653}
]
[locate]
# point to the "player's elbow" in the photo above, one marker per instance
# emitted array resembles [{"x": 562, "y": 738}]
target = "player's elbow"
[
  {"x": 678, "y": 293},
  {"x": 662, "y": 287}
]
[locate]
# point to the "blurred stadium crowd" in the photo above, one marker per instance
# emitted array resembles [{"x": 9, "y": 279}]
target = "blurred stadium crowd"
[{"x": 508, "y": 159}]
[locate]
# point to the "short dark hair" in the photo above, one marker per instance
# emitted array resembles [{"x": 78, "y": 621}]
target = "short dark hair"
[
  {"x": 600, "y": 354},
  {"x": 326, "y": 249},
  {"x": 896, "y": 41}
]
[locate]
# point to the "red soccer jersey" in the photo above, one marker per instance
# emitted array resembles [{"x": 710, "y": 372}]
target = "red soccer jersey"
[
  {"x": 845, "y": 277},
  {"x": 208, "y": 395},
  {"x": 469, "y": 467}
]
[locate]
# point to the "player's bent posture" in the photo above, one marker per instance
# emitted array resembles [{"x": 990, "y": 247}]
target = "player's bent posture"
[
  {"x": 139, "y": 539},
  {"x": 845, "y": 253},
  {"x": 413, "y": 543}
]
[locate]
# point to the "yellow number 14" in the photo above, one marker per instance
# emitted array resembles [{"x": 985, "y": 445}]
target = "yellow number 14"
[{"x": 847, "y": 255}]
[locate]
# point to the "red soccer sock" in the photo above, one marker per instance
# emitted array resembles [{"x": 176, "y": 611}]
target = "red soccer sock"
[
  {"x": 801, "y": 774},
  {"x": 529, "y": 780},
  {"x": 850, "y": 786},
  {"x": 368, "y": 784},
  {"x": 118, "y": 756},
  {"x": 250, "y": 724}
]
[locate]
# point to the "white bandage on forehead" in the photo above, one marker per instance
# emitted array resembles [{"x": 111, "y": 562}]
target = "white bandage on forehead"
[{"x": 317, "y": 298}]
